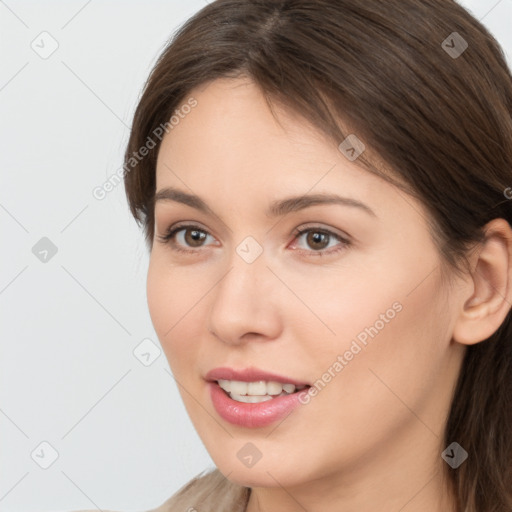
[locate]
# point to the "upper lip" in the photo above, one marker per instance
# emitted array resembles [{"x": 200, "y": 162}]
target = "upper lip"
[{"x": 250, "y": 375}]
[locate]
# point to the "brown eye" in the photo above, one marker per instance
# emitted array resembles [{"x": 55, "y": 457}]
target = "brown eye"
[
  {"x": 319, "y": 241},
  {"x": 185, "y": 238},
  {"x": 194, "y": 237}
]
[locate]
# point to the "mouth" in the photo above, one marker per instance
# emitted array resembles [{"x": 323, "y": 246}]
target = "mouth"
[
  {"x": 255, "y": 404},
  {"x": 257, "y": 391},
  {"x": 253, "y": 397}
]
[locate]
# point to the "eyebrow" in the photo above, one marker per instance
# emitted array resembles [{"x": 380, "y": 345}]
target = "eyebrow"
[{"x": 277, "y": 208}]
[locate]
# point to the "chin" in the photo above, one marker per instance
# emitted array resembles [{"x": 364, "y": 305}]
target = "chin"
[{"x": 262, "y": 475}]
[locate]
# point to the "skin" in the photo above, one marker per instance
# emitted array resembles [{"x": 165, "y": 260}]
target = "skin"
[{"x": 372, "y": 437}]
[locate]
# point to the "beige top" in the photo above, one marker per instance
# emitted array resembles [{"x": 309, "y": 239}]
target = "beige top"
[{"x": 210, "y": 492}]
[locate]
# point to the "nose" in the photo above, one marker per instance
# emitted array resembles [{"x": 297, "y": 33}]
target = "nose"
[{"x": 245, "y": 303}]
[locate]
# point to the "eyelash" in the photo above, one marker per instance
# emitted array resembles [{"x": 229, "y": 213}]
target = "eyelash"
[{"x": 169, "y": 235}]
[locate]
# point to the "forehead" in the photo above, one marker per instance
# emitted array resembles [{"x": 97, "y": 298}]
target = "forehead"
[
  {"x": 232, "y": 130},
  {"x": 232, "y": 116},
  {"x": 231, "y": 147}
]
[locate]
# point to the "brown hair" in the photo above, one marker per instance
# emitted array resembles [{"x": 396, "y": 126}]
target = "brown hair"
[{"x": 438, "y": 113}]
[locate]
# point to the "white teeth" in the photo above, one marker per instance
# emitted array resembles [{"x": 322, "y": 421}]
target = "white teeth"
[
  {"x": 225, "y": 385},
  {"x": 274, "y": 388},
  {"x": 248, "y": 399},
  {"x": 257, "y": 389},
  {"x": 289, "y": 388},
  {"x": 237, "y": 387}
]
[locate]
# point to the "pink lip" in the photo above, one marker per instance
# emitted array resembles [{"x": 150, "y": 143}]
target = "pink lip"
[
  {"x": 253, "y": 415},
  {"x": 249, "y": 375}
]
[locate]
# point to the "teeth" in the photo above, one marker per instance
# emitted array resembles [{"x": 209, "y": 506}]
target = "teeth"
[
  {"x": 258, "y": 389},
  {"x": 237, "y": 387},
  {"x": 225, "y": 385},
  {"x": 274, "y": 388},
  {"x": 248, "y": 399}
]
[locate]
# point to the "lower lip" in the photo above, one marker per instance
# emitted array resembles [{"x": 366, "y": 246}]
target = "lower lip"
[{"x": 253, "y": 415}]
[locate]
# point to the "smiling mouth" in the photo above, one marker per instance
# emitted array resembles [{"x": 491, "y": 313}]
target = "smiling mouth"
[{"x": 257, "y": 391}]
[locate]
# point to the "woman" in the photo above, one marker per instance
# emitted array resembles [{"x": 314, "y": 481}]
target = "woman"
[{"x": 324, "y": 190}]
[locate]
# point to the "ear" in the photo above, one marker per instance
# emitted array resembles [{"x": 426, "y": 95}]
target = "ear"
[{"x": 488, "y": 296}]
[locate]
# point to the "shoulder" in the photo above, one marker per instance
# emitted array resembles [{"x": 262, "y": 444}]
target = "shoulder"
[
  {"x": 210, "y": 492},
  {"x": 207, "y": 492}
]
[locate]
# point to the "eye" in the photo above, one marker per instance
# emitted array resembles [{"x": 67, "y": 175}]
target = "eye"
[
  {"x": 193, "y": 236},
  {"x": 188, "y": 235},
  {"x": 319, "y": 239}
]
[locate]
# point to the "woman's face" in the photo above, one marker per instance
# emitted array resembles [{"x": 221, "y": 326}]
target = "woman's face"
[{"x": 364, "y": 315}]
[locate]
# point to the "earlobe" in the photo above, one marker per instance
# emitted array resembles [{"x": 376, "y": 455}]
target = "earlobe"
[{"x": 489, "y": 299}]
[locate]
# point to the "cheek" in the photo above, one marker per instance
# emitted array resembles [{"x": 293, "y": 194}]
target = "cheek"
[
  {"x": 171, "y": 293},
  {"x": 368, "y": 294},
  {"x": 160, "y": 298},
  {"x": 168, "y": 301},
  {"x": 344, "y": 303},
  {"x": 390, "y": 355},
  {"x": 384, "y": 317}
]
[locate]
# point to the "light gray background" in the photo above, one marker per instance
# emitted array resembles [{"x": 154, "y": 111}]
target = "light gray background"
[{"x": 69, "y": 326}]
